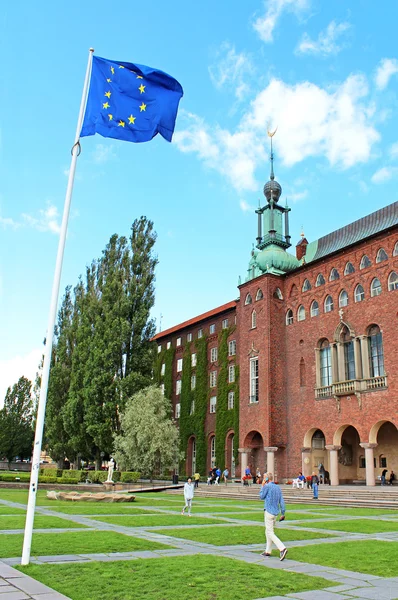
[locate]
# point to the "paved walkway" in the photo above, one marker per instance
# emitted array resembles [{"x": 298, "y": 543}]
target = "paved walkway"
[{"x": 350, "y": 585}]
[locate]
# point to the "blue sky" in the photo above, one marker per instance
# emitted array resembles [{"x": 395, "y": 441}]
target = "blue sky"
[{"x": 326, "y": 73}]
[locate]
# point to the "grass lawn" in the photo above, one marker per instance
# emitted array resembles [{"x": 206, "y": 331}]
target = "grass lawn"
[
  {"x": 371, "y": 557},
  {"x": 355, "y": 526},
  {"x": 232, "y": 536},
  {"x": 157, "y": 520},
  {"x": 97, "y": 508},
  {"x": 41, "y": 522},
  {"x": 10, "y": 510},
  {"x": 85, "y": 542},
  {"x": 359, "y": 512},
  {"x": 259, "y": 516},
  {"x": 184, "y": 577}
]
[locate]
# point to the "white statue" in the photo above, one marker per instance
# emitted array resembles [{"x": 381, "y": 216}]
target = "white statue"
[{"x": 111, "y": 468}]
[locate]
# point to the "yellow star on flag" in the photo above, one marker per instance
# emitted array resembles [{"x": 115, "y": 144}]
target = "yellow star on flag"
[
  {"x": 121, "y": 67},
  {"x": 142, "y": 88},
  {"x": 142, "y": 107},
  {"x": 132, "y": 119},
  {"x": 121, "y": 124},
  {"x": 109, "y": 80},
  {"x": 106, "y": 105},
  {"x": 112, "y": 70},
  {"x": 110, "y": 117},
  {"x": 107, "y": 94},
  {"x": 140, "y": 77}
]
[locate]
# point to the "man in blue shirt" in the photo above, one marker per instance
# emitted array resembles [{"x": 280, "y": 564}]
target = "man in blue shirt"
[{"x": 273, "y": 505}]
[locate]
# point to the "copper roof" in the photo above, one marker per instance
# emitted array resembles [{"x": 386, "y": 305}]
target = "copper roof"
[{"x": 202, "y": 317}]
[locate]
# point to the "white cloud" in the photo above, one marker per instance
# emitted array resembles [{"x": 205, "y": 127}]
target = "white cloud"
[
  {"x": 231, "y": 69},
  {"x": 384, "y": 174},
  {"x": 294, "y": 197},
  {"x": 8, "y": 222},
  {"x": 266, "y": 24},
  {"x": 245, "y": 206},
  {"x": 394, "y": 150},
  {"x": 48, "y": 220},
  {"x": 11, "y": 369},
  {"x": 103, "y": 153},
  {"x": 336, "y": 123},
  {"x": 326, "y": 42},
  {"x": 386, "y": 69}
]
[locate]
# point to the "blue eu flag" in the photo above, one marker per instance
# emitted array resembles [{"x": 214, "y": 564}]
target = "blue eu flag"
[{"x": 130, "y": 102}]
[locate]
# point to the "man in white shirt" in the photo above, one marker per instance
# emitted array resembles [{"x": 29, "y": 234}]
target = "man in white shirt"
[{"x": 188, "y": 495}]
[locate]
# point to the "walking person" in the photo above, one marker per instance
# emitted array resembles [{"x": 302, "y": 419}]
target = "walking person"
[
  {"x": 225, "y": 475},
  {"x": 188, "y": 496},
  {"x": 314, "y": 484},
  {"x": 196, "y": 478},
  {"x": 218, "y": 475},
  {"x": 273, "y": 505},
  {"x": 392, "y": 477},
  {"x": 383, "y": 477}
]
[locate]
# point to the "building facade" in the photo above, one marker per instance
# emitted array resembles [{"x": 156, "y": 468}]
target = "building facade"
[{"x": 301, "y": 368}]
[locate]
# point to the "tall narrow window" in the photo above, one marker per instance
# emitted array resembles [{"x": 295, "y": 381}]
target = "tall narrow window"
[
  {"x": 289, "y": 317},
  {"x": 193, "y": 470},
  {"x": 325, "y": 364},
  {"x": 178, "y": 342},
  {"x": 365, "y": 262},
  {"x": 189, "y": 337},
  {"x": 193, "y": 359},
  {"x": 381, "y": 255},
  {"x": 179, "y": 365},
  {"x": 376, "y": 352},
  {"x": 192, "y": 409},
  {"x": 254, "y": 319},
  {"x": 328, "y": 304},
  {"x": 343, "y": 298},
  {"x": 213, "y": 354},
  {"x": 349, "y": 356},
  {"x": 224, "y": 324},
  {"x": 301, "y": 313},
  {"x": 159, "y": 349},
  {"x": 193, "y": 382},
  {"x": 314, "y": 309},
  {"x": 334, "y": 275},
  {"x": 395, "y": 251},
  {"x": 320, "y": 280},
  {"x": 178, "y": 387},
  {"x": 212, "y": 329},
  {"x": 200, "y": 333},
  {"x": 302, "y": 373},
  {"x": 248, "y": 299},
  {"x": 306, "y": 286},
  {"x": 213, "y": 379},
  {"x": 213, "y": 452},
  {"x": 259, "y": 295},
  {"x": 349, "y": 268},
  {"x": 163, "y": 369},
  {"x": 213, "y": 404},
  {"x": 232, "y": 348},
  {"x": 359, "y": 293},
  {"x": 231, "y": 373},
  {"x": 253, "y": 380},
  {"x": 231, "y": 400},
  {"x": 178, "y": 410},
  {"x": 375, "y": 287},
  {"x": 392, "y": 282}
]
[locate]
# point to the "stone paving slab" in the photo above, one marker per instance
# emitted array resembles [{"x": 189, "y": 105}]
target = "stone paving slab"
[
  {"x": 374, "y": 594},
  {"x": 14, "y": 595},
  {"x": 318, "y": 595}
]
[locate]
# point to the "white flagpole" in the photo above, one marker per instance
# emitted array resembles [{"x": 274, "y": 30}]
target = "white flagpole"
[{"x": 41, "y": 409}]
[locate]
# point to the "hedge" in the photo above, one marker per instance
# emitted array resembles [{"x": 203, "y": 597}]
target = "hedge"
[
  {"x": 129, "y": 477},
  {"x": 72, "y": 477}
]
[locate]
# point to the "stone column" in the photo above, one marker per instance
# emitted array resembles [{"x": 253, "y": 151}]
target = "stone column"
[
  {"x": 340, "y": 361},
  {"x": 369, "y": 462},
  {"x": 270, "y": 450},
  {"x": 365, "y": 356},
  {"x": 318, "y": 367},
  {"x": 306, "y": 461},
  {"x": 357, "y": 359},
  {"x": 244, "y": 452},
  {"x": 333, "y": 353},
  {"x": 333, "y": 464}
]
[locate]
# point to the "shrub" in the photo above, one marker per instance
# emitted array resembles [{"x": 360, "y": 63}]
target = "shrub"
[
  {"x": 71, "y": 474},
  {"x": 48, "y": 479},
  {"x": 97, "y": 476},
  {"x": 25, "y": 477},
  {"x": 129, "y": 477},
  {"x": 68, "y": 480}
]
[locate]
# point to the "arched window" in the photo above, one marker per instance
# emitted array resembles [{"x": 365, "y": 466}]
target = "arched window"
[
  {"x": 293, "y": 290},
  {"x": 254, "y": 319},
  {"x": 395, "y": 251},
  {"x": 248, "y": 299},
  {"x": 320, "y": 280},
  {"x": 278, "y": 294},
  {"x": 314, "y": 309},
  {"x": 359, "y": 293},
  {"x": 325, "y": 363},
  {"x": 376, "y": 352},
  {"x": 334, "y": 275},
  {"x": 365, "y": 262},
  {"x": 392, "y": 282},
  {"x": 301, "y": 313},
  {"x": 289, "y": 317},
  {"x": 306, "y": 286},
  {"x": 343, "y": 298},
  {"x": 381, "y": 255},
  {"x": 349, "y": 357},
  {"x": 259, "y": 295},
  {"x": 302, "y": 373},
  {"x": 375, "y": 287},
  {"x": 349, "y": 268},
  {"x": 328, "y": 304},
  {"x": 318, "y": 440},
  {"x": 193, "y": 464},
  {"x": 213, "y": 451}
]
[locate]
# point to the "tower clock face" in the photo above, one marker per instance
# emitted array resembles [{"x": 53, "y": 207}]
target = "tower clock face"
[{"x": 306, "y": 460}]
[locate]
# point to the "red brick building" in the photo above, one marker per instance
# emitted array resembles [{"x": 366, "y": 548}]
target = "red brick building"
[{"x": 309, "y": 355}]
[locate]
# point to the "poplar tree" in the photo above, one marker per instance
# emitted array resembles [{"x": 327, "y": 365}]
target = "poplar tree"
[{"x": 16, "y": 419}]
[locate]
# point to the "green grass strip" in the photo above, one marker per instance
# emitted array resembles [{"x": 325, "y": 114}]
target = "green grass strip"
[
  {"x": 372, "y": 557},
  {"x": 355, "y": 526},
  {"x": 84, "y": 542},
  {"x": 41, "y": 522},
  {"x": 232, "y": 536},
  {"x": 187, "y": 577},
  {"x": 157, "y": 520}
]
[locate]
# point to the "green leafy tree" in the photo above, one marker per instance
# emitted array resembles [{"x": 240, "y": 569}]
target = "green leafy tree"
[
  {"x": 16, "y": 419},
  {"x": 149, "y": 441}
]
